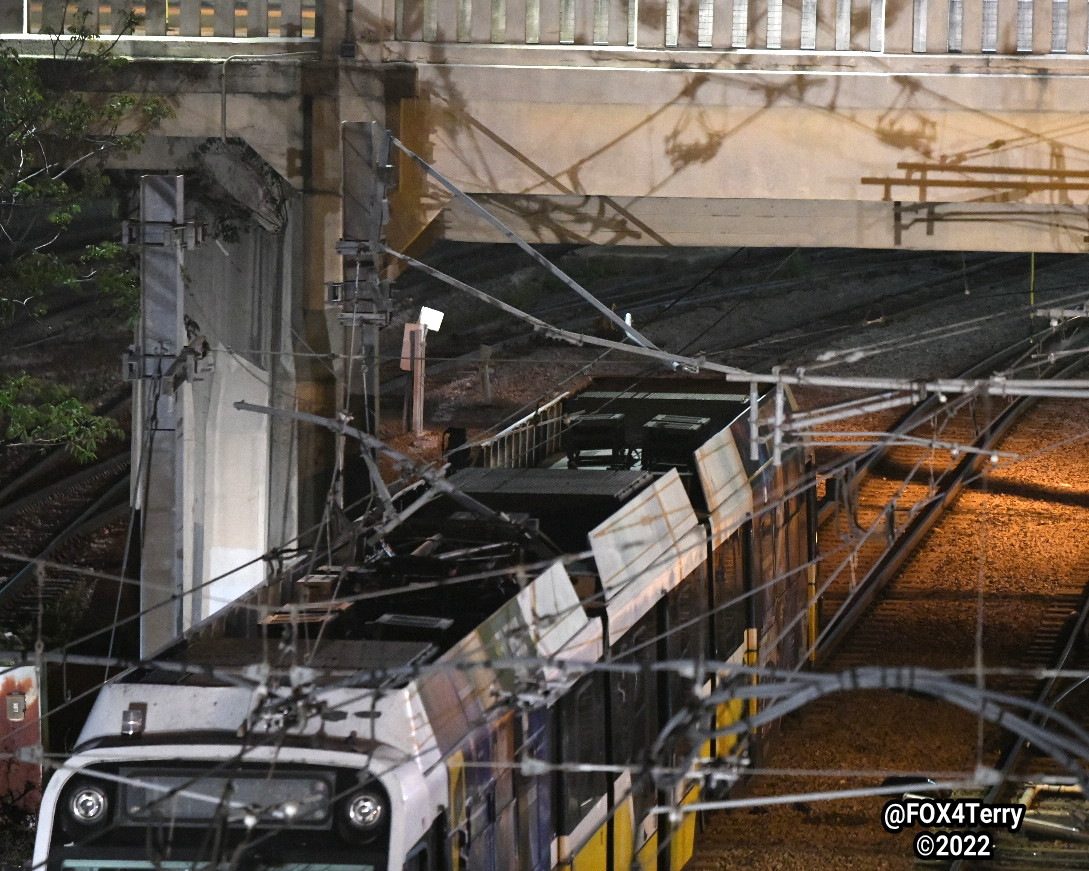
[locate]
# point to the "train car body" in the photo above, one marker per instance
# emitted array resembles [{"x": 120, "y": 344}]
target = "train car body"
[
  {"x": 476, "y": 688},
  {"x": 20, "y": 732}
]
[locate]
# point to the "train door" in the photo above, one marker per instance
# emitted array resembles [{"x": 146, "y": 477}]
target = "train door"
[
  {"x": 726, "y": 643},
  {"x": 427, "y": 854},
  {"x": 581, "y": 793},
  {"x": 685, "y": 641},
  {"x": 473, "y": 807},
  {"x": 634, "y": 724},
  {"x": 483, "y": 795},
  {"x": 458, "y": 825},
  {"x": 531, "y": 791},
  {"x": 507, "y": 845},
  {"x": 796, "y": 534}
]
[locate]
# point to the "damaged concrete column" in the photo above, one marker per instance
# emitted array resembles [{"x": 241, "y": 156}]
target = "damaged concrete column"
[
  {"x": 214, "y": 486},
  {"x": 155, "y": 437}
]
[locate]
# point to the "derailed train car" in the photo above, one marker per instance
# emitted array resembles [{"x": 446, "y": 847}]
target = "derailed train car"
[{"x": 463, "y": 693}]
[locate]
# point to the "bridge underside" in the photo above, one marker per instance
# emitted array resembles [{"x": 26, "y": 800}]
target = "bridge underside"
[
  {"x": 773, "y": 223},
  {"x": 938, "y": 152}
]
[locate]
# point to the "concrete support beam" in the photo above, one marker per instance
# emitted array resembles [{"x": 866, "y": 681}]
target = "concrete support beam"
[
  {"x": 769, "y": 223},
  {"x": 156, "y": 440},
  {"x": 216, "y": 487}
]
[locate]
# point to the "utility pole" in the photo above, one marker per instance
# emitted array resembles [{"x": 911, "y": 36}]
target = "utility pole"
[
  {"x": 157, "y": 365},
  {"x": 486, "y": 372},
  {"x": 363, "y": 296}
]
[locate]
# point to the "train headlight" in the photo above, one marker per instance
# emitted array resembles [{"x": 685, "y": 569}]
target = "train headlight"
[
  {"x": 366, "y": 811},
  {"x": 86, "y": 808},
  {"x": 88, "y": 804},
  {"x": 363, "y": 814}
]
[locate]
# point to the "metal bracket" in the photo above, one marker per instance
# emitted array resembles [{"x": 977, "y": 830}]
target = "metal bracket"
[
  {"x": 899, "y": 210},
  {"x": 356, "y": 251},
  {"x": 16, "y": 707},
  {"x": 1057, "y": 315},
  {"x": 189, "y": 235},
  {"x": 370, "y": 290},
  {"x": 360, "y": 319},
  {"x": 171, "y": 368}
]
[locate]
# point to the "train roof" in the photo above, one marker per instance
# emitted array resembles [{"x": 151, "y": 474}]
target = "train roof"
[
  {"x": 394, "y": 628},
  {"x": 640, "y": 400},
  {"x": 355, "y": 662},
  {"x": 614, "y": 484}
]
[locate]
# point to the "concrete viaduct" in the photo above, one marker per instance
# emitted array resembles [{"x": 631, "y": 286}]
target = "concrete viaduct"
[{"x": 939, "y": 124}]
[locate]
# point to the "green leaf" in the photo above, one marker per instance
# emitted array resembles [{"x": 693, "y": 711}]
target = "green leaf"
[{"x": 33, "y": 412}]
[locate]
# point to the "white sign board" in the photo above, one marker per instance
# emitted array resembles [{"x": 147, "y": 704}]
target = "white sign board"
[{"x": 431, "y": 318}]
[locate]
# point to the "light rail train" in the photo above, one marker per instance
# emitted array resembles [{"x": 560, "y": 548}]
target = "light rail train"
[{"x": 431, "y": 701}]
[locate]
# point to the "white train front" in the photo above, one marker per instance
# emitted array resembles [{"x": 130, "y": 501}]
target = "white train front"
[{"x": 432, "y": 701}]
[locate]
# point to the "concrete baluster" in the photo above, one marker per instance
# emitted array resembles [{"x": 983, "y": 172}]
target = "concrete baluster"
[
  {"x": 480, "y": 21},
  {"x": 800, "y": 24},
  {"x": 688, "y": 30},
  {"x": 52, "y": 20},
  {"x": 549, "y": 22},
  {"x": 154, "y": 23},
  {"x": 899, "y": 26},
  {"x": 1007, "y": 27},
  {"x": 1077, "y": 27},
  {"x": 256, "y": 18},
  {"x": 88, "y": 12},
  {"x": 446, "y": 20},
  {"x": 650, "y": 31},
  {"x": 1043, "y": 25},
  {"x": 722, "y": 23},
  {"x": 223, "y": 18},
  {"x": 516, "y": 22},
  {"x": 585, "y": 11},
  {"x": 972, "y": 26},
  {"x": 291, "y": 22},
  {"x": 189, "y": 18},
  {"x": 618, "y": 11},
  {"x": 937, "y": 26}
]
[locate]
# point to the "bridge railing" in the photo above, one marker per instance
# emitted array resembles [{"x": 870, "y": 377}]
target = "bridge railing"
[
  {"x": 526, "y": 442},
  {"x": 285, "y": 19},
  {"x": 889, "y": 26}
]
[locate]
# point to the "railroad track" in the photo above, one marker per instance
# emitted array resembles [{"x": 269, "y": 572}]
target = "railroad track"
[
  {"x": 887, "y": 502},
  {"x": 1005, "y": 567},
  {"x": 1057, "y": 644},
  {"x": 733, "y": 287},
  {"x": 874, "y": 621}
]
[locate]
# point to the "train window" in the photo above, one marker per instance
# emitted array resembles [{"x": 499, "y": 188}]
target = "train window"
[
  {"x": 419, "y": 859},
  {"x": 755, "y": 575},
  {"x": 632, "y": 697},
  {"x": 686, "y": 638},
  {"x": 503, "y": 753},
  {"x": 532, "y": 793},
  {"x": 580, "y": 717},
  {"x": 635, "y": 709},
  {"x": 729, "y": 619}
]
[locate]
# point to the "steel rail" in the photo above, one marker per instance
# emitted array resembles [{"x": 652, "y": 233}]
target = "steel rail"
[
  {"x": 1042, "y": 691},
  {"x": 949, "y": 486},
  {"x": 109, "y": 466},
  {"x": 92, "y": 517},
  {"x": 30, "y": 473},
  {"x": 921, "y": 412}
]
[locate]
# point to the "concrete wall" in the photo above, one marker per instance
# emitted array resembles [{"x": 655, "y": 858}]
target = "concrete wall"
[{"x": 622, "y": 153}]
